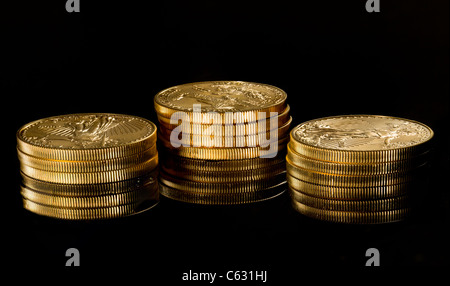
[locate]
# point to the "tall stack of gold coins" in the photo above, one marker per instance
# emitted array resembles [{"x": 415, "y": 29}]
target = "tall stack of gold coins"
[
  {"x": 358, "y": 168},
  {"x": 88, "y": 166},
  {"x": 222, "y": 142}
]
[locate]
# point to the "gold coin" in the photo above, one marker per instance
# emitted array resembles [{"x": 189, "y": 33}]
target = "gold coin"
[
  {"x": 82, "y": 137},
  {"x": 87, "y": 166},
  {"x": 222, "y": 199},
  {"x": 225, "y": 177},
  {"x": 92, "y": 177},
  {"x": 233, "y": 101},
  {"x": 350, "y": 181},
  {"x": 360, "y": 139},
  {"x": 88, "y": 213},
  {"x": 188, "y": 164},
  {"x": 237, "y": 153},
  {"x": 78, "y": 190},
  {"x": 350, "y": 216},
  {"x": 240, "y": 129},
  {"x": 386, "y": 204},
  {"x": 306, "y": 163},
  {"x": 221, "y": 188},
  {"x": 354, "y": 193},
  {"x": 138, "y": 195},
  {"x": 218, "y": 141}
]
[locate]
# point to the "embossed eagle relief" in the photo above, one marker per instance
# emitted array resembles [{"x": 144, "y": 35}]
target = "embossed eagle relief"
[
  {"x": 226, "y": 97},
  {"x": 86, "y": 131},
  {"x": 323, "y": 135}
]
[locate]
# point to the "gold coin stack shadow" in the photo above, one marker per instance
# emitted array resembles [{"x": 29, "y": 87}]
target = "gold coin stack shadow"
[
  {"x": 88, "y": 166},
  {"x": 362, "y": 169},
  {"x": 211, "y": 158}
]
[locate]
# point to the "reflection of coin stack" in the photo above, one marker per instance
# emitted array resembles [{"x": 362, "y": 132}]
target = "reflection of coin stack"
[
  {"x": 208, "y": 158},
  {"x": 356, "y": 169},
  {"x": 88, "y": 166}
]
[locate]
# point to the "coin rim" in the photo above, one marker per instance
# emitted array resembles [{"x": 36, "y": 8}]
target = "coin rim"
[
  {"x": 96, "y": 153},
  {"x": 281, "y": 118},
  {"x": 159, "y": 107},
  {"x": 356, "y": 169},
  {"x": 92, "y": 177},
  {"x": 99, "y": 201},
  {"x": 73, "y": 190},
  {"x": 220, "y": 165},
  {"x": 85, "y": 213},
  {"x": 204, "y": 153},
  {"x": 350, "y": 193},
  {"x": 351, "y": 180},
  {"x": 337, "y": 155},
  {"x": 371, "y": 205},
  {"x": 221, "y": 188},
  {"x": 86, "y": 166},
  {"x": 216, "y": 199},
  {"x": 282, "y": 132},
  {"x": 349, "y": 217},
  {"x": 226, "y": 176}
]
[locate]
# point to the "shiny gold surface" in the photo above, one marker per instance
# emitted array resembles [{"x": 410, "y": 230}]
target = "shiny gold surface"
[
  {"x": 234, "y": 153},
  {"x": 224, "y": 198},
  {"x": 225, "y": 176},
  {"x": 182, "y": 164},
  {"x": 221, "y": 188},
  {"x": 91, "y": 177},
  {"x": 84, "y": 190},
  {"x": 357, "y": 168},
  {"x": 149, "y": 192},
  {"x": 350, "y": 217},
  {"x": 385, "y": 204},
  {"x": 222, "y": 142},
  {"x": 88, "y": 166},
  {"x": 354, "y": 193},
  {"x": 350, "y": 181},
  {"x": 246, "y": 98},
  {"x": 231, "y": 129},
  {"x": 362, "y": 133},
  {"x": 306, "y": 163},
  {"x": 88, "y": 213},
  {"x": 79, "y": 137},
  {"x": 360, "y": 139},
  {"x": 217, "y": 140}
]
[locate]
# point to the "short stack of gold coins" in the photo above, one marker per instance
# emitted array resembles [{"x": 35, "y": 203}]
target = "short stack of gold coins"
[
  {"x": 212, "y": 144},
  {"x": 362, "y": 169},
  {"x": 88, "y": 166}
]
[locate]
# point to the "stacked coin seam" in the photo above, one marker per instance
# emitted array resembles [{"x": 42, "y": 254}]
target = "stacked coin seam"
[
  {"x": 362, "y": 169},
  {"x": 207, "y": 164},
  {"x": 88, "y": 166}
]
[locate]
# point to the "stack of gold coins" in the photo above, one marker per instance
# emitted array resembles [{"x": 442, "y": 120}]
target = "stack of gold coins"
[
  {"x": 222, "y": 142},
  {"x": 88, "y": 166},
  {"x": 357, "y": 168}
]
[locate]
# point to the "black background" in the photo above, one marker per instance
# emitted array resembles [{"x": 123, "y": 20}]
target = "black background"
[{"x": 331, "y": 57}]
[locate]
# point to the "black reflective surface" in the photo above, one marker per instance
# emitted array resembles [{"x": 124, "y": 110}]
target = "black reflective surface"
[{"x": 331, "y": 57}]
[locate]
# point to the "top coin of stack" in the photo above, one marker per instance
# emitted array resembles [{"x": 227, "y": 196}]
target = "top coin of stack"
[
  {"x": 356, "y": 168},
  {"x": 223, "y": 142},
  {"x": 87, "y": 166}
]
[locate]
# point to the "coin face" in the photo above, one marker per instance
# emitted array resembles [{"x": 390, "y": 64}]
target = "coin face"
[
  {"x": 362, "y": 133},
  {"x": 86, "y": 131},
  {"x": 221, "y": 96}
]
